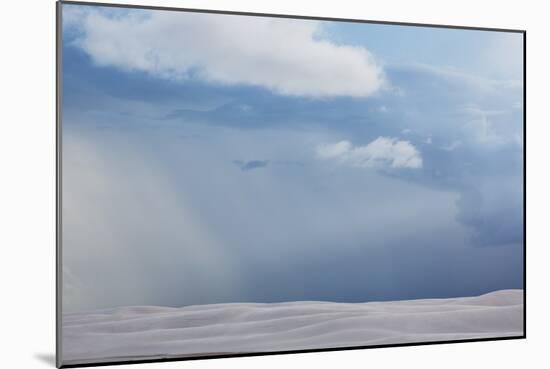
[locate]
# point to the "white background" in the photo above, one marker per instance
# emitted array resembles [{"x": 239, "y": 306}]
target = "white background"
[{"x": 27, "y": 185}]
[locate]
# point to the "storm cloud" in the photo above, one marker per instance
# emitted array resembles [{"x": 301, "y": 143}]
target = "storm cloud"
[
  {"x": 251, "y": 164},
  {"x": 186, "y": 183}
]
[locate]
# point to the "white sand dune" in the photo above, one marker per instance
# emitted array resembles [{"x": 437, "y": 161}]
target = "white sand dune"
[{"x": 148, "y": 332}]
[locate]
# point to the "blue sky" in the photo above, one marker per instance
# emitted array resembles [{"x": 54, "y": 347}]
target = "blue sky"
[{"x": 218, "y": 158}]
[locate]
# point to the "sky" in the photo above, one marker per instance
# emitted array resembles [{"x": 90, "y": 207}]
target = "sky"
[{"x": 215, "y": 158}]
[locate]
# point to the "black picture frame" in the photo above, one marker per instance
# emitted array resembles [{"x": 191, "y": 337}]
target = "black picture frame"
[{"x": 59, "y": 223}]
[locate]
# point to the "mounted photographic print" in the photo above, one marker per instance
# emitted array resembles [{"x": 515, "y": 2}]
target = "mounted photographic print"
[{"x": 235, "y": 184}]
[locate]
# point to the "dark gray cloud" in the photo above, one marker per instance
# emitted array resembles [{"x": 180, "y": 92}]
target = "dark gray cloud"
[
  {"x": 496, "y": 217},
  {"x": 251, "y": 164}
]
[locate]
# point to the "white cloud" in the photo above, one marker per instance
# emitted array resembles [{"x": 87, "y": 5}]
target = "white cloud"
[
  {"x": 283, "y": 55},
  {"x": 384, "y": 151},
  {"x": 491, "y": 127}
]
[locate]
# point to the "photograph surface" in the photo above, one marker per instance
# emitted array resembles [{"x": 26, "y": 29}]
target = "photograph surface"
[{"x": 235, "y": 184}]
